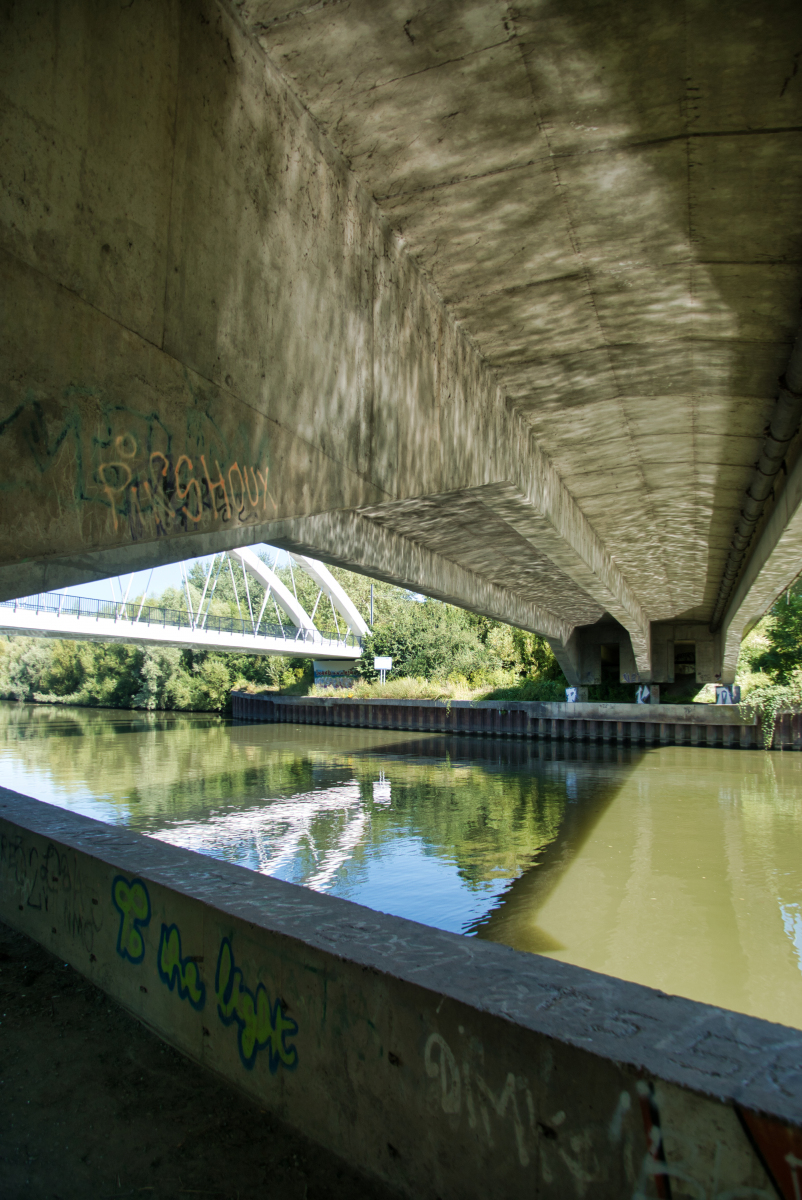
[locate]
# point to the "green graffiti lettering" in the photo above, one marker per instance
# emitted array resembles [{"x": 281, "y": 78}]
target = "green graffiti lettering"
[{"x": 131, "y": 899}]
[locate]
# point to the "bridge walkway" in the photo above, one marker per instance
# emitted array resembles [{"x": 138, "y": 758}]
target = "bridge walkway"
[{"x": 77, "y": 618}]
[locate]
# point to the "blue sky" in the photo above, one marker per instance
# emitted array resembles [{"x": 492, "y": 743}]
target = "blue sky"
[{"x": 163, "y": 577}]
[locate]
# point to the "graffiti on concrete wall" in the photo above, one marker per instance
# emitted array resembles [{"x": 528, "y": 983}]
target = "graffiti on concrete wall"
[
  {"x": 36, "y": 874},
  {"x": 671, "y": 1141},
  {"x": 261, "y": 1025},
  {"x": 133, "y": 475},
  {"x": 178, "y": 972},
  {"x": 751, "y": 1155},
  {"x": 155, "y": 494},
  {"x": 131, "y": 899},
  {"x": 464, "y": 1090},
  {"x": 460, "y": 1086},
  {"x": 53, "y": 884},
  {"x": 779, "y": 1148}
]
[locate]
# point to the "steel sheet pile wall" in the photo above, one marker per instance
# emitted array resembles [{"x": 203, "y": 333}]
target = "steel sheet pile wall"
[
  {"x": 663, "y": 724},
  {"x": 447, "y": 1066}
]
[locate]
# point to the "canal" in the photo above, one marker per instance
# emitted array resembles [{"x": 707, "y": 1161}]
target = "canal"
[{"x": 676, "y": 867}]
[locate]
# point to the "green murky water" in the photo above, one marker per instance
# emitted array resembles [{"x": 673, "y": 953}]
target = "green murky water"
[{"x": 676, "y": 867}]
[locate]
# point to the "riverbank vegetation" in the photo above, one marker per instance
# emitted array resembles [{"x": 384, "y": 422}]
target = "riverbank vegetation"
[
  {"x": 770, "y": 663},
  {"x": 438, "y": 652}
]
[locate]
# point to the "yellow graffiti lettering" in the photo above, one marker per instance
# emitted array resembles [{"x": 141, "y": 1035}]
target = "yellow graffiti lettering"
[
  {"x": 261, "y": 1025},
  {"x": 239, "y": 507},
  {"x": 265, "y": 493},
  {"x": 135, "y": 511},
  {"x": 191, "y": 485},
  {"x": 131, "y": 899},
  {"x": 213, "y": 487},
  {"x": 253, "y": 500},
  {"x": 153, "y": 490},
  {"x": 126, "y": 445},
  {"x": 162, "y": 512},
  {"x": 165, "y": 468},
  {"x": 115, "y": 486}
]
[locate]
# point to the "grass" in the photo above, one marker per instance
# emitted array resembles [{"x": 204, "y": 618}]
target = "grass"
[
  {"x": 405, "y": 688},
  {"x": 504, "y": 686}
]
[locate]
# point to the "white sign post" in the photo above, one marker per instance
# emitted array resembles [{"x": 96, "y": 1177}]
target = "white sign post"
[{"x": 382, "y": 665}]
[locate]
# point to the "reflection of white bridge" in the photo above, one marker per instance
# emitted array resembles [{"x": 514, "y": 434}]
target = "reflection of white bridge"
[
  {"x": 274, "y": 835},
  {"x": 294, "y": 633}
]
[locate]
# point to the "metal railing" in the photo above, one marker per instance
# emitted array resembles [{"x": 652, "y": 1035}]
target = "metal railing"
[{"x": 51, "y": 603}]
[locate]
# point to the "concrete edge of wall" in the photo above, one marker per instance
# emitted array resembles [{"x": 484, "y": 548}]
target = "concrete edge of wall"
[
  {"x": 702, "y": 714},
  {"x": 713, "y": 726},
  {"x": 410, "y": 1051}
]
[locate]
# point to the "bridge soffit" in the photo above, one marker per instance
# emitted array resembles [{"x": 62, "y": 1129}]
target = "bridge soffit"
[
  {"x": 766, "y": 549},
  {"x": 189, "y": 417},
  {"x": 353, "y": 541}
]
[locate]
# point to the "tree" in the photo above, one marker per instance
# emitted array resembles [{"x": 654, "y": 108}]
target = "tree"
[
  {"x": 775, "y": 646},
  {"x": 426, "y": 638}
]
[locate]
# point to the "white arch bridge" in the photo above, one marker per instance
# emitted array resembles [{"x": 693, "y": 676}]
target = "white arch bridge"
[{"x": 294, "y": 632}]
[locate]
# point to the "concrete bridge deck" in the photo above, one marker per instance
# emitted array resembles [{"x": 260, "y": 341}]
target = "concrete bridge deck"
[{"x": 497, "y": 302}]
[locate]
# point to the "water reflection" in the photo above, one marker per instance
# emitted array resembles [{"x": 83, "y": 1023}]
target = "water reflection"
[
  {"x": 691, "y": 881},
  {"x": 431, "y": 828},
  {"x": 677, "y": 867}
]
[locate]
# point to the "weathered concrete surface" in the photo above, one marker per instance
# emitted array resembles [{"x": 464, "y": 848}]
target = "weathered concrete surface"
[
  {"x": 360, "y": 544},
  {"x": 451, "y": 1068},
  {"x": 504, "y": 291},
  {"x": 285, "y": 360},
  {"x": 592, "y": 191},
  {"x": 773, "y": 566}
]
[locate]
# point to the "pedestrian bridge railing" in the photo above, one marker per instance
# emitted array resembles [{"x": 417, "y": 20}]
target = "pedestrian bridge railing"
[{"x": 54, "y": 614}]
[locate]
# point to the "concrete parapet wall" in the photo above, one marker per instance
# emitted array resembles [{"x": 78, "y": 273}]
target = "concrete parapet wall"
[
  {"x": 446, "y": 1066},
  {"x": 656, "y": 724}
]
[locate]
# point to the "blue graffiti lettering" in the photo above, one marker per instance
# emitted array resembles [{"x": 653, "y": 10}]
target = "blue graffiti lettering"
[{"x": 177, "y": 971}]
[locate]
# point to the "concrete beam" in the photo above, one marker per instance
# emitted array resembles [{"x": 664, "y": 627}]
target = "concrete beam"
[
  {"x": 209, "y": 325},
  {"x": 352, "y": 541},
  {"x": 448, "y": 1067},
  {"x": 772, "y": 567}
]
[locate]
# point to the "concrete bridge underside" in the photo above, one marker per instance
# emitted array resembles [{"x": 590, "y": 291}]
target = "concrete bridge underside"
[{"x": 490, "y": 300}]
